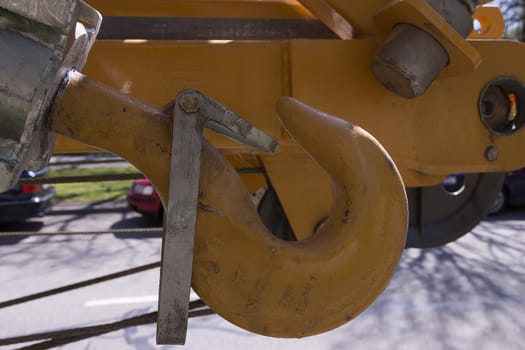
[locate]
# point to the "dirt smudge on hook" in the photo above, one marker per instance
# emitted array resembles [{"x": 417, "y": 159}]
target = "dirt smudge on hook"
[
  {"x": 346, "y": 216},
  {"x": 211, "y": 210},
  {"x": 254, "y": 300},
  {"x": 297, "y": 298},
  {"x": 210, "y": 266}
]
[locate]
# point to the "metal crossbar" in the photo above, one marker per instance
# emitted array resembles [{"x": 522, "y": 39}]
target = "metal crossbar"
[{"x": 179, "y": 28}]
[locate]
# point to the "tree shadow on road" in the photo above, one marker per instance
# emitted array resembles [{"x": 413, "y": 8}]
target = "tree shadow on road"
[
  {"x": 18, "y": 226},
  {"x": 134, "y": 225},
  {"x": 436, "y": 294}
]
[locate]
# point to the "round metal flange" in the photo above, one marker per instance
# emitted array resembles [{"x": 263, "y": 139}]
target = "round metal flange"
[
  {"x": 442, "y": 214},
  {"x": 40, "y": 41},
  {"x": 501, "y": 105}
]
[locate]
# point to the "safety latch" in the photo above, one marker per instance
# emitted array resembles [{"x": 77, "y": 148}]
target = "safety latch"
[{"x": 193, "y": 112}]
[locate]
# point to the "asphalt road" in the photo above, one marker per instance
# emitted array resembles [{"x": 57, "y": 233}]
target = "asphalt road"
[{"x": 467, "y": 295}]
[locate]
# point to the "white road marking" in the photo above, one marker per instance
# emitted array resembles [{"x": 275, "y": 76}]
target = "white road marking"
[
  {"x": 122, "y": 301},
  {"x": 129, "y": 300}
]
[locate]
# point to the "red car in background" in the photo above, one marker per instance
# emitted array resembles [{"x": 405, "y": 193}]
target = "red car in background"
[{"x": 143, "y": 198}]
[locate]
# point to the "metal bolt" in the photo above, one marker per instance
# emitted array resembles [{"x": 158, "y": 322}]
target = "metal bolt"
[
  {"x": 491, "y": 153},
  {"x": 410, "y": 59},
  {"x": 189, "y": 103}
]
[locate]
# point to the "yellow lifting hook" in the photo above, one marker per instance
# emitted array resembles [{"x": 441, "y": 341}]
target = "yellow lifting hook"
[
  {"x": 245, "y": 274},
  {"x": 296, "y": 289}
]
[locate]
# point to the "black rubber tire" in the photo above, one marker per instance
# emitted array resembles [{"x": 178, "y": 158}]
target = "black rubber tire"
[{"x": 438, "y": 217}]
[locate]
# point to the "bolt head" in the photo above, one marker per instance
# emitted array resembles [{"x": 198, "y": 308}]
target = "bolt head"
[
  {"x": 491, "y": 153},
  {"x": 189, "y": 103}
]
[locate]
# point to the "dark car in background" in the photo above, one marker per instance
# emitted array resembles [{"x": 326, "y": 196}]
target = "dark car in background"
[
  {"x": 26, "y": 200},
  {"x": 143, "y": 198},
  {"x": 512, "y": 193}
]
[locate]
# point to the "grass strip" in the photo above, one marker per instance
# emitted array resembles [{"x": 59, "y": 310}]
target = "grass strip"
[{"x": 91, "y": 191}]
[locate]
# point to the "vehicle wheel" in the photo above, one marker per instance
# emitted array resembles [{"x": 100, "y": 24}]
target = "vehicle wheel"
[
  {"x": 500, "y": 203},
  {"x": 439, "y": 215}
]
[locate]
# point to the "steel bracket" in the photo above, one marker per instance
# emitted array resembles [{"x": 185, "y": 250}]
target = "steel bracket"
[{"x": 193, "y": 111}]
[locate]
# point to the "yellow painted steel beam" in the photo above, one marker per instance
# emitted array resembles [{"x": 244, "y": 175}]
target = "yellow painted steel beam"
[
  {"x": 438, "y": 133},
  {"x": 202, "y": 8},
  {"x": 333, "y": 76},
  {"x": 248, "y": 77},
  {"x": 251, "y": 278}
]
